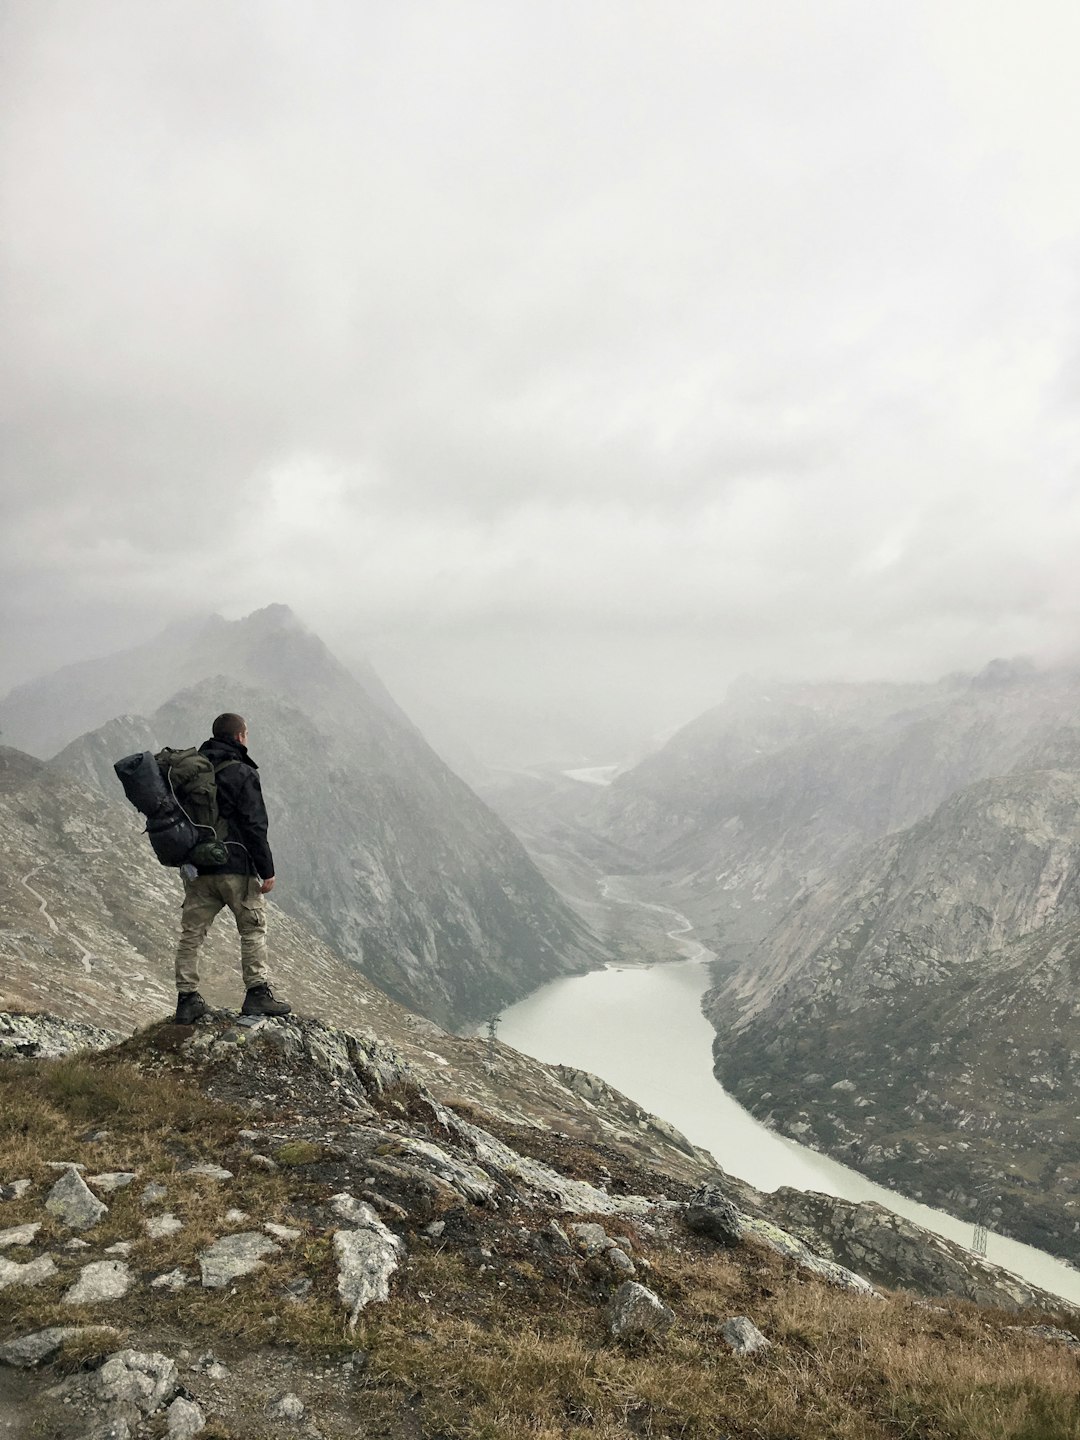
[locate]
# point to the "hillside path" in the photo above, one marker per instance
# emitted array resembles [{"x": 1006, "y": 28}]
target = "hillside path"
[{"x": 85, "y": 956}]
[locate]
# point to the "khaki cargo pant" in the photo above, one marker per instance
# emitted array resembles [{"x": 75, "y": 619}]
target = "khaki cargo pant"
[{"x": 204, "y": 898}]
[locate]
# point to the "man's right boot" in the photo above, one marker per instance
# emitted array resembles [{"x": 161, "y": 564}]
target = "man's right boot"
[
  {"x": 259, "y": 1000},
  {"x": 190, "y": 1006}
]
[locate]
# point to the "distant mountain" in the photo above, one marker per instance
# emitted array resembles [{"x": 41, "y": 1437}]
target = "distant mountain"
[
  {"x": 919, "y": 1014},
  {"x": 780, "y": 785},
  {"x": 380, "y": 848}
]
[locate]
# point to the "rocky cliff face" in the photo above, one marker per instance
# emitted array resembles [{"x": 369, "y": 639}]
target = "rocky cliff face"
[
  {"x": 381, "y": 849},
  {"x": 918, "y": 1013},
  {"x": 782, "y": 785}
]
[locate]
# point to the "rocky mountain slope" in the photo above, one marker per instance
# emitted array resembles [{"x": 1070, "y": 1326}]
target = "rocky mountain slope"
[
  {"x": 239, "y": 1231},
  {"x": 380, "y": 848},
  {"x": 782, "y": 784},
  {"x": 918, "y": 1013}
]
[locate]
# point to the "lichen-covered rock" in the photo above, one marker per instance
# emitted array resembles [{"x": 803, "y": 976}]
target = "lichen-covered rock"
[
  {"x": 73, "y": 1203},
  {"x": 99, "y": 1281},
  {"x": 142, "y": 1380},
  {"x": 367, "y": 1256},
  {"x": 45, "y": 1037},
  {"x": 635, "y": 1311},
  {"x": 112, "y": 1180},
  {"x": 32, "y": 1273},
  {"x": 712, "y": 1214},
  {"x": 620, "y": 1262},
  {"x": 743, "y": 1336},
  {"x": 794, "y": 1249},
  {"x": 19, "y": 1234},
  {"x": 233, "y": 1256},
  {"x": 593, "y": 1239}
]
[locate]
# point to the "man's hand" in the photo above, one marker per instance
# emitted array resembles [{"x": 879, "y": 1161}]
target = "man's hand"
[{"x": 267, "y": 885}]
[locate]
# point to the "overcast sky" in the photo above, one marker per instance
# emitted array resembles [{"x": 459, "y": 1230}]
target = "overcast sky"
[{"x": 571, "y": 357}]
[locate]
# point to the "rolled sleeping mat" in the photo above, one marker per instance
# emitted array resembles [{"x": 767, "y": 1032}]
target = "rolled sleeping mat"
[{"x": 144, "y": 785}]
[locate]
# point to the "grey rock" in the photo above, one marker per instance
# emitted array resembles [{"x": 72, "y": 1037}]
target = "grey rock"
[
  {"x": 297, "y": 1290},
  {"x": 144, "y": 1380},
  {"x": 236, "y": 1217},
  {"x": 435, "y": 1228},
  {"x": 19, "y": 1234},
  {"x": 712, "y": 1214},
  {"x": 171, "y": 1280},
  {"x": 32, "y": 1273},
  {"x": 261, "y": 1162},
  {"x": 183, "y": 1419},
  {"x": 159, "y": 1226},
  {"x": 36, "y": 1037},
  {"x": 102, "y": 1280},
  {"x": 30, "y": 1350},
  {"x": 558, "y": 1236},
  {"x": 591, "y": 1238},
  {"x": 367, "y": 1257},
  {"x": 14, "y": 1190},
  {"x": 210, "y": 1172},
  {"x": 356, "y": 1212},
  {"x": 233, "y": 1256},
  {"x": 635, "y": 1311},
  {"x": 209, "y": 1365},
  {"x": 743, "y": 1336},
  {"x": 73, "y": 1204},
  {"x": 1053, "y": 1333},
  {"x": 282, "y": 1232},
  {"x": 152, "y": 1193},
  {"x": 122, "y": 1247},
  {"x": 620, "y": 1262},
  {"x": 76, "y": 1244},
  {"x": 112, "y": 1180},
  {"x": 287, "y": 1407}
]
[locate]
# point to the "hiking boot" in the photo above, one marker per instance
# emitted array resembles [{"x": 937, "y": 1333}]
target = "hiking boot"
[
  {"x": 190, "y": 1006},
  {"x": 259, "y": 1000}
]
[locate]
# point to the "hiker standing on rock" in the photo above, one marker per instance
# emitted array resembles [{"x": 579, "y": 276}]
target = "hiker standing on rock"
[{"x": 240, "y": 883}]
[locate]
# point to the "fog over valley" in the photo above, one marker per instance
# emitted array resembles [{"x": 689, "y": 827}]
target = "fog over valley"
[{"x": 567, "y": 363}]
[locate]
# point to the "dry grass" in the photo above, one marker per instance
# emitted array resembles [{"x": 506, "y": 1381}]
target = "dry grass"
[{"x": 522, "y": 1349}]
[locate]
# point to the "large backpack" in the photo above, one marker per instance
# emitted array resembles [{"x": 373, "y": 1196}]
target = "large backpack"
[{"x": 177, "y": 792}]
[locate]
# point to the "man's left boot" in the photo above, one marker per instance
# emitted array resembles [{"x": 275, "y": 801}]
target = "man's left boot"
[{"x": 259, "y": 1000}]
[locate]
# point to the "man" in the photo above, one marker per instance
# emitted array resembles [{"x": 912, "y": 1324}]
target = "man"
[{"x": 240, "y": 883}]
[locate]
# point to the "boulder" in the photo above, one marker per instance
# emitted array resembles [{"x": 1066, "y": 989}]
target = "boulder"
[
  {"x": 712, "y": 1214},
  {"x": 142, "y": 1380},
  {"x": 101, "y": 1280},
  {"x": 73, "y": 1203},
  {"x": 743, "y": 1336},
  {"x": 636, "y": 1311}
]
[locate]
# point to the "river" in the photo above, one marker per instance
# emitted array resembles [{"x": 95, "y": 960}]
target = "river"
[{"x": 641, "y": 1029}]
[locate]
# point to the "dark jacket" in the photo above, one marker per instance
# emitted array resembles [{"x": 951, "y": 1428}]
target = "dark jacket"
[{"x": 241, "y": 806}]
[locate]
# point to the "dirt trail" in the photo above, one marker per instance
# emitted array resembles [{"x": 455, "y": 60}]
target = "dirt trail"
[{"x": 85, "y": 957}]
